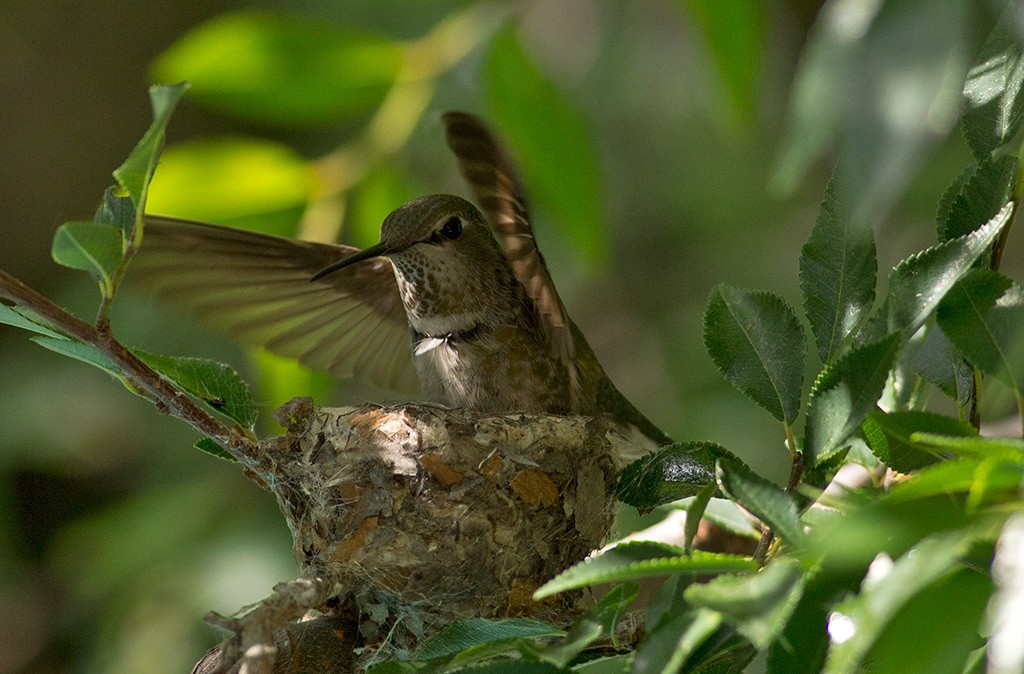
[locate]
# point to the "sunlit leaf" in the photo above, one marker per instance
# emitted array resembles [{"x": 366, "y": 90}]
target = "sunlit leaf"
[
  {"x": 983, "y": 315},
  {"x": 993, "y": 87},
  {"x": 216, "y": 384},
  {"x": 633, "y": 560},
  {"x": 552, "y": 143},
  {"x": 758, "y": 605},
  {"x": 673, "y": 472},
  {"x": 889, "y": 436},
  {"x": 89, "y": 246},
  {"x": 843, "y": 394},
  {"x": 767, "y": 502},
  {"x": 837, "y": 275},
  {"x": 918, "y": 283},
  {"x": 137, "y": 170},
  {"x": 758, "y": 345},
  {"x": 978, "y": 198},
  {"x": 282, "y": 70}
]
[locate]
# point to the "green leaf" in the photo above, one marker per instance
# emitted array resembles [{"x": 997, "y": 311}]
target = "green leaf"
[
  {"x": 137, "y": 170},
  {"x": 89, "y": 246},
  {"x": 918, "y": 283},
  {"x": 757, "y": 605},
  {"x": 882, "y": 81},
  {"x": 597, "y": 622},
  {"x": 843, "y": 394},
  {"x": 837, "y": 275},
  {"x": 735, "y": 35},
  {"x": 516, "y": 667},
  {"x": 472, "y": 632},
  {"x": 270, "y": 68},
  {"x": 767, "y": 502},
  {"x": 889, "y": 436},
  {"x": 665, "y": 650},
  {"x": 554, "y": 147},
  {"x": 858, "y": 623},
  {"x": 803, "y": 643},
  {"x": 757, "y": 343},
  {"x": 210, "y": 447},
  {"x": 116, "y": 210},
  {"x": 983, "y": 316},
  {"x": 79, "y": 351},
  {"x": 28, "y": 320},
  {"x": 233, "y": 180},
  {"x": 633, "y": 560},
  {"x": 938, "y": 362},
  {"x": 671, "y": 473},
  {"x": 993, "y": 113},
  {"x": 216, "y": 384},
  {"x": 979, "y": 198},
  {"x": 694, "y": 512},
  {"x": 971, "y": 446}
]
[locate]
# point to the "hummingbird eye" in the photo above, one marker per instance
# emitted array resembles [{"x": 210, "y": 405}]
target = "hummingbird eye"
[{"x": 449, "y": 230}]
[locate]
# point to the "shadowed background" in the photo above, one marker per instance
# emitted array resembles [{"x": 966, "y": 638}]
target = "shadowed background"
[{"x": 649, "y": 131}]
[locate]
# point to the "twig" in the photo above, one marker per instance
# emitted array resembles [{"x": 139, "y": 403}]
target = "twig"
[{"x": 144, "y": 379}]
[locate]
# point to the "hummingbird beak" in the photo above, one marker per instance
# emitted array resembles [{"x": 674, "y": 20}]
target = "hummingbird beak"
[{"x": 365, "y": 254}]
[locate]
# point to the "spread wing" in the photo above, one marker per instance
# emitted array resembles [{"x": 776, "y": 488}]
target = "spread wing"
[
  {"x": 256, "y": 287},
  {"x": 487, "y": 168}
]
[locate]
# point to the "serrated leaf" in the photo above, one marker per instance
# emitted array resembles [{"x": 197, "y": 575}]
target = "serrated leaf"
[
  {"x": 935, "y": 359},
  {"x": 137, "y": 170},
  {"x": 992, "y": 91},
  {"x": 597, "y": 622},
  {"x": 89, "y": 246},
  {"x": 116, "y": 210},
  {"x": 671, "y": 473},
  {"x": 979, "y": 198},
  {"x": 472, "y": 632},
  {"x": 757, "y": 605},
  {"x": 28, "y": 320},
  {"x": 764, "y": 500},
  {"x": 918, "y": 283},
  {"x": 889, "y": 436},
  {"x": 216, "y": 384},
  {"x": 633, "y": 560},
  {"x": 757, "y": 343},
  {"x": 210, "y": 447},
  {"x": 271, "y": 68},
  {"x": 857, "y": 623},
  {"x": 79, "y": 351},
  {"x": 843, "y": 394},
  {"x": 983, "y": 316},
  {"x": 554, "y": 147},
  {"x": 666, "y": 649},
  {"x": 837, "y": 275}
]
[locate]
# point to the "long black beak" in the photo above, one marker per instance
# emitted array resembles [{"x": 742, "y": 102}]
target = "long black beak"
[{"x": 365, "y": 254}]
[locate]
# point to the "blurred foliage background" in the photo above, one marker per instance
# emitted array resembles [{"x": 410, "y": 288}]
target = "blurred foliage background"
[{"x": 652, "y": 140}]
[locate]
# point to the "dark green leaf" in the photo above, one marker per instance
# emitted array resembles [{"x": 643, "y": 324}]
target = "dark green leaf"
[
  {"x": 28, "y": 320},
  {"x": 78, "y": 351},
  {"x": 116, "y": 210},
  {"x": 89, "y": 246},
  {"x": 216, "y": 384},
  {"x": 757, "y": 605},
  {"x": 515, "y": 667},
  {"x": 592, "y": 625},
  {"x": 858, "y": 623},
  {"x": 979, "y": 199},
  {"x": 137, "y": 170},
  {"x": 735, "y": 34},
  {"x": 918, "y": 283},
  {"x": 983, "y": 315},
  {"x": 889, "y": 436},
  {"x": 767, "y": 502},
  {"x": 554, "y": 147},
  {"x": 758, "y": 345},
  {"x": 633, "y": 560},
  {"x": 665, "y": 650},
  {"x": 938, "y": 362},
  {"x": 843, "y": 394},
  {"x": 802, "y": 646},
  {"x": 673, "y": 472},
  {"x": 471, "y": 632},
  {"x": 837, "y": 275},
  {"x": 210, "y": 447},
  {"x": 695, "y": 511},
  {"x": 286, "y": 71},
  {"x": 994, "y": 112}
]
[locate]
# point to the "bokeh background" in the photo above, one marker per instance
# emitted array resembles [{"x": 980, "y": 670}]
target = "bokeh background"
[{"x": 650, "y": 133}]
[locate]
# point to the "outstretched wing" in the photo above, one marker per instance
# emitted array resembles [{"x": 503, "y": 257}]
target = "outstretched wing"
[
  {"x": 487, "y": 168},
  {"x": 256, "y": 287}
]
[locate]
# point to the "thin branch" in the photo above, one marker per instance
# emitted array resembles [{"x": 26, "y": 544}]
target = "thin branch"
[{"x": 144, "y": 379}]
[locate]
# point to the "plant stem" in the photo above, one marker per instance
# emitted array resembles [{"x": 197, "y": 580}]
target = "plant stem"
[{"x": 142, "y": 378}]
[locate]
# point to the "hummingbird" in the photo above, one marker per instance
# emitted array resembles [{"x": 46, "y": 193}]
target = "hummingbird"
[{"x": 455, "y": 301}]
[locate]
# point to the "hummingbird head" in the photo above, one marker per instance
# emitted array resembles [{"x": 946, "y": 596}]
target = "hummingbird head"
[{"x": 451, "y": 271}]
